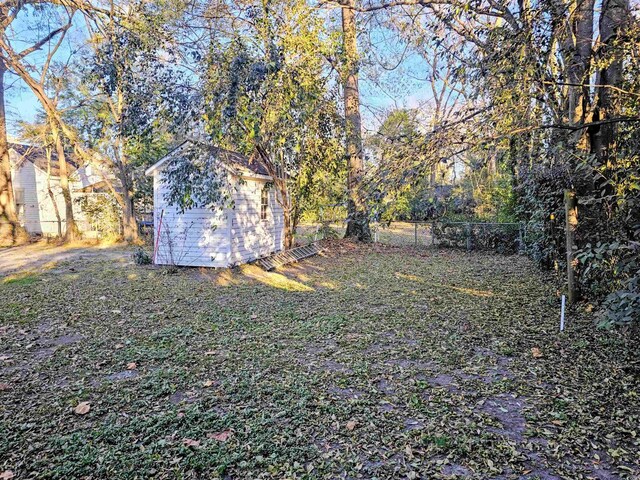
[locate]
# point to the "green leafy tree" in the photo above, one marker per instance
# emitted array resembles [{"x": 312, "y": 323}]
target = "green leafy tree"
[
  {"x": 268, "y": 96},
  {"x": 128, "y": 92}
]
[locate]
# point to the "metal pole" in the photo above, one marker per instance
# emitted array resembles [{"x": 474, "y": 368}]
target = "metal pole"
[
  {"x": 155, "y": 250},
  {"x": 416, "y": 233}
]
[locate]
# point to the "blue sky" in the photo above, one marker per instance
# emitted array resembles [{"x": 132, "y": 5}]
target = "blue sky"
[{"x": 20, "y": 102}]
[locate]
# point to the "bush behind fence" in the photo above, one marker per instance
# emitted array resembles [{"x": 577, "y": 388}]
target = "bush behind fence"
[{"x": 506, "y": 238}]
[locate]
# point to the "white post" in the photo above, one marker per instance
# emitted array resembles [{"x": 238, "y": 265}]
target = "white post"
[{"x": 562, "y": 314}]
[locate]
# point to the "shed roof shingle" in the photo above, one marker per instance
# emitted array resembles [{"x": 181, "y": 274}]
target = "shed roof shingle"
[{"x": 38, "y": 156}]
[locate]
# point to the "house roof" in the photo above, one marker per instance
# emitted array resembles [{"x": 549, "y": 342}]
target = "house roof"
[
  {"x": 227, "y": 157},
  {"x": 38, "y": 156}
]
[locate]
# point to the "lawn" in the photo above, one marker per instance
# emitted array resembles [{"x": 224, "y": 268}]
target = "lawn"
[{"x": 366, "y": 362}]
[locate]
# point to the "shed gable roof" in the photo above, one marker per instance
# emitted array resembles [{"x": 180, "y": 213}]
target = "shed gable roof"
[{"x": 234, "y": 160}]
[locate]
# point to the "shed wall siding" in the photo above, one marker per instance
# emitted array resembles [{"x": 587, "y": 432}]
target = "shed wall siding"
[
  {"x": 252, "y": 237},
  {"x": 197, "y": 237}
]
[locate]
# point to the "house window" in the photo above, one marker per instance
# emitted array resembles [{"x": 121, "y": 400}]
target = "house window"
[
  {"x": 19, "y": 199},
  {"x": 264, "y": 203},
  {"x": 19, "y": 195}
]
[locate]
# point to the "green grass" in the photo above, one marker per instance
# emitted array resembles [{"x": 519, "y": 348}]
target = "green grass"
[
  {"x": 422, "y": 349},
  {"x": 22, "y": 280}
]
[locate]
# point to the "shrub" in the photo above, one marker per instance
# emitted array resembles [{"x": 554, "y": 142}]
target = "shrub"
[
  {"x": 500, "y": 238},
  {"x": 102, "y": 213},
  {"x": 141, "y": 257}
]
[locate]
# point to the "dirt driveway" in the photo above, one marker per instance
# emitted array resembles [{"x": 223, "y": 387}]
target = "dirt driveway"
[{"x": 42, "y": 255}]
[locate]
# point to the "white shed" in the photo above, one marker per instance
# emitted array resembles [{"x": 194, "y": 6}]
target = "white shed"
[{"x": 252, "y": 228}]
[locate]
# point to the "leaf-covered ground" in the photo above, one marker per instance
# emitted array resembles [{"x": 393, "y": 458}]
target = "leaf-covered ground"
[{"x": 367, "y": 362}]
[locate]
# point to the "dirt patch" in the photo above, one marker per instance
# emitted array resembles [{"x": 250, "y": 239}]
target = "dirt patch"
[
  {"x": 386, "y": 407},
  {"x": 407, "y": 364},
  {"x": 183, "y": 397},
  {"x": 124, "y": 375},
  {"x": 41, "y": 255},
  {"x": 333, "y": 366},
  {"x": 43, "y": 354},
  {"x": 63, "y": 340},
  {"x": 507, "y": 409},
  {"x": 455, "y": 470},
  {"x": 346, "y": 393},
  {"x": 384, "y": 387},
  {"x": 413, "y": 424}
]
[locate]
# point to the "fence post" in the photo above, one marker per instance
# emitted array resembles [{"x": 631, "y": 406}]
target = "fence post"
[
  {"x": 468, "y": 230},
  {"x": 521, "y": 236},
  {"x": 415, "y": 234},
  {"x": 571, "y": 223},
  {"x": 433, "y": 233}
]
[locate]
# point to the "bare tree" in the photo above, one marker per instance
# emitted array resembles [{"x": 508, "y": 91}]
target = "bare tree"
[{"x": 11, "y": 233}]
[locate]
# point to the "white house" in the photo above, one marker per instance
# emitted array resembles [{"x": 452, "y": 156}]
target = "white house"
[
  {"x": 35, "y": 176},
  {"x": 252, "y": 228}
]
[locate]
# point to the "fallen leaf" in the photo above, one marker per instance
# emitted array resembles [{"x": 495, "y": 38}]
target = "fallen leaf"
[
  {"x": 351, "y": 424},
  {"x": 4, "y": 386},
  {"x": 254, "y": 316},
  {"x": 82, "y": 408},
  {"x": 118, "y": 346},
  {"x": 536, "y": 353},
  {"x": 191, "y": 443},
  {"x": 221, "y": 436},
  {"x": 408, "y": 451},
  {"x": 207, "y": 383},
  {"x": 6, "y": 475},
  {"x": 210, "y": 352},
  {"x": 132, "y": 366}
]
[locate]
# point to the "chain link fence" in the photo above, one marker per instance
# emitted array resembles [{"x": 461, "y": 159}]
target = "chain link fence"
[{"x": 507, "y": 238}]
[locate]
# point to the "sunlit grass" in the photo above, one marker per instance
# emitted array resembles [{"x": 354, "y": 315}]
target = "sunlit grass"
[{"x": 21, "y": 279}]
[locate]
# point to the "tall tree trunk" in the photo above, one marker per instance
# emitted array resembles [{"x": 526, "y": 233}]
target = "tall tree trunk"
[
  {"x": 613, "y": 19},
  {"x": 575, "y": 40},
  {"x": 11, "y": 232},
  {"x": 71, "y": 232},
  {"x": 129, "y": 222},
  {"x": 285, "y": 203},
  {"x": 581, "y": 32},
  {"x": 358, "y": 221}
]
